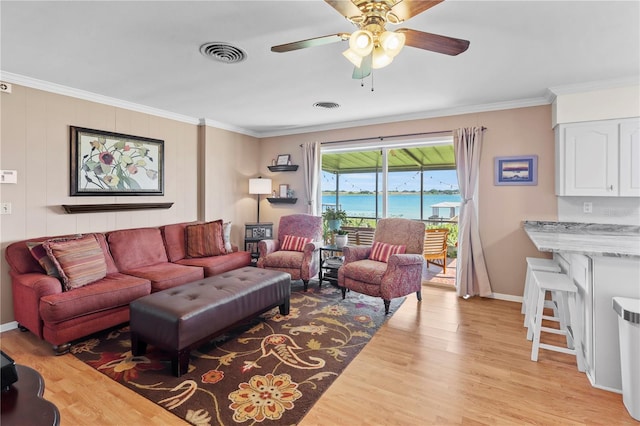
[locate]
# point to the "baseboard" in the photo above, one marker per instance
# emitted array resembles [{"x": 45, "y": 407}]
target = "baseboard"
[
  {"x": 8, "y": 326},
  {"x": 507, "y": 297}
]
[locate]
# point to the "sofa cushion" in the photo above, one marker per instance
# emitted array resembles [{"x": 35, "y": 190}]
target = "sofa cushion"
[
  {"x": 382, "y": 251},
  {"x": 167, "y": 275},
  {"x": 205, "y": 239},
  {"x": 112, "y": 291},
  {"x": 215, "y": 265},
  {"x": 293, "y": 243},
  {"x": 175, "y": 241},
  {"x": 79, "y": 261},
  {"x": 369, "y": 271},
  {"x": 136, "y": 248}
]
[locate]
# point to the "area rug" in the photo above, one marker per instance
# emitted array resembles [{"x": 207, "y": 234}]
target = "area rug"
[{"x": 270, "y": 370}]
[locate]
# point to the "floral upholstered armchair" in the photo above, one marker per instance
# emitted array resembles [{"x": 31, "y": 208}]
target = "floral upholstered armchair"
[
  {"x": 391, "y": 268},
  {"x": 296, "y": 249}
]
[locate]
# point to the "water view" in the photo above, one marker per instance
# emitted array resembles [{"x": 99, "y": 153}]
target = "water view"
[{"x": 406, "y": 205}]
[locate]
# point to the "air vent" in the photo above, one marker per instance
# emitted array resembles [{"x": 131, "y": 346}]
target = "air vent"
[
  {"x": 223, "y": 52},
  {"x": 326, "y": 105}
]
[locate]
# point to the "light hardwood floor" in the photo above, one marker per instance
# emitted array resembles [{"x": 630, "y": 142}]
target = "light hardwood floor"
[{"x": 442, "y": 361}]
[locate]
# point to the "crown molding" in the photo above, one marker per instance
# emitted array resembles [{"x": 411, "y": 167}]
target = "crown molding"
[
  {"x": 90, "y": 96},
  {"x": 218, "y": 125},
  {"x": 568, "y": 89},
  {"x": 471, "y": 109}
]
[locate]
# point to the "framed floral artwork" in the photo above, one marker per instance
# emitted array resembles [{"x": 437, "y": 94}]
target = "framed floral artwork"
[{"x": 107, "y": 163}]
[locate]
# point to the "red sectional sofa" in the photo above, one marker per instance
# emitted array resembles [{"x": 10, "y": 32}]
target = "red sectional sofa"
[{"x": 138, "y": 262}]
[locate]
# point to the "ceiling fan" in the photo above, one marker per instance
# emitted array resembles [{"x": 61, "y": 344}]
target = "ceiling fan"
[{"x": 372, "y": 46}]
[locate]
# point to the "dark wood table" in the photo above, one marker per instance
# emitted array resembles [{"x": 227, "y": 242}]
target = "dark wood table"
[
  {"x": 328, "y": 269},
  {"x": 22, "y": 403}
]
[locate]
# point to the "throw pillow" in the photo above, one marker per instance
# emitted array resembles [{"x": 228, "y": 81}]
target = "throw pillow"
[
  {"x": 226, "y": 236},
  {"x": 80, "y": 261},
  {"x": 40, "y": 254},
  {"x": 381, "y": 251},
  {"x": 205, "y": 239},
  {"x": 292, "y": 243}
]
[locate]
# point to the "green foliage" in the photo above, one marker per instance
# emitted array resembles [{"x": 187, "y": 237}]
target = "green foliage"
[
  {"x": 334, "y": 214},
  {"x": 452, "y": 237}
]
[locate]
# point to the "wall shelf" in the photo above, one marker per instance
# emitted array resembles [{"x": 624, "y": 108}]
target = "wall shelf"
[
  {"x": 282, "y": 200},
  {"x": 95, "y": 208},
  {"x": 284, "y": 168}
]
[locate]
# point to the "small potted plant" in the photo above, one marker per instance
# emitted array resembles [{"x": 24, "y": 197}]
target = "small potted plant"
[
  {"x": 334, "y": 218},
  {"x": 341, "y": 237}
]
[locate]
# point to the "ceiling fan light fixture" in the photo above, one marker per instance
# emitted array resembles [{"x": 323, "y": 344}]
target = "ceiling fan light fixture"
[
  {"x": 353, "y": 57},
  {"x": 361, "y": 42},
  {"x": 392, "y": 42},
  {"x": 380, "y": 58}
]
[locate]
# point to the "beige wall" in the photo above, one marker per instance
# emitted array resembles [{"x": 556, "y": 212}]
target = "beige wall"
[
  {"x": 35, "y": 142},
  {"x": 207, "y": 172},
  {"x": 523, "y": 131}
]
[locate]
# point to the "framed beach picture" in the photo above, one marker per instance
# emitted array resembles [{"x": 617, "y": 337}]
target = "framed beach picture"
[
  {"x": 107, "y": 163},
  {"x": 518, "y": 170}
]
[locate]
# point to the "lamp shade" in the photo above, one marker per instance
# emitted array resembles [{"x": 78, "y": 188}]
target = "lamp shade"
[
  {"x": 392, "y": 42},
  {"x": 259, "y": 186},
  {"x": 361, "y": 42}
]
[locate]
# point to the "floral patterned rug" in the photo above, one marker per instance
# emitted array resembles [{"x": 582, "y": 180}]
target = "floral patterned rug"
[{"x": 270, "y": 370}]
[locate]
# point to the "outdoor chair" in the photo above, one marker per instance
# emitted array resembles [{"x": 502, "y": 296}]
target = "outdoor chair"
[
  {"x": 391, "y": 267},
  {"x": 435, "y": 247},
  {"x": 296, "y": 249}
]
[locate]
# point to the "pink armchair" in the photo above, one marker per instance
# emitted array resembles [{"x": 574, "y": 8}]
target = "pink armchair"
[
  {"x": 399, "y": 276},
  {"x": 301, "y": 262}
]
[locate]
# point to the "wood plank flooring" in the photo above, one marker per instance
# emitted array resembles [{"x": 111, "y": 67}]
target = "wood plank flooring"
[{"x": 442, "y": 361}]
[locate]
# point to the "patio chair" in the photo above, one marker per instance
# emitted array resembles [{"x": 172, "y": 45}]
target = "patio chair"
[
  {"x": 391, "y": 268},
  {"x": 435, "y": 247},
  {"x": 296, "y": 249}
]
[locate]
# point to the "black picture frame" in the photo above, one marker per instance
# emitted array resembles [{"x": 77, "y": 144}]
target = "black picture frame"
[{"x": 108, "y": 163}]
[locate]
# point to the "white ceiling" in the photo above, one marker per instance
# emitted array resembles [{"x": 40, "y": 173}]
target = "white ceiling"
[{"x": 147, "y": 53}]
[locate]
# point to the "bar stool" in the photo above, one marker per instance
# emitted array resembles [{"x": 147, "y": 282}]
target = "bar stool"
[
  {"x": 529, "y": 296},
  {"x": 570, "y": 326}
]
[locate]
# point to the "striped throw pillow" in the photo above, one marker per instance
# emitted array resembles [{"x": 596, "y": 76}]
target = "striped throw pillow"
[
  {"x": 40, "y": 254},
  {"x": 292, "y": 243},
  {"x": 381, "y": 251},
  {"x": 80, "y": 261},
  {"x": 205, "y": 239}
]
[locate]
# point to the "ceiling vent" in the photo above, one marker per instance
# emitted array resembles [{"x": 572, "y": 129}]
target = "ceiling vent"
[
  {"x": 223, "y": 52},
  {"x": 326, "y": 105}
]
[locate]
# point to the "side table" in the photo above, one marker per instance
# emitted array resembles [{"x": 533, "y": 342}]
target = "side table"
[
  {"x": 22, "y": 402},
  {"x": 329, "y": 266},
  {"x": 253, "y": 234}
]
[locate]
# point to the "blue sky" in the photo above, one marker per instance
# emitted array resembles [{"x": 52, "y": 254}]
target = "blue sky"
[{"x": 398, "y": 181}]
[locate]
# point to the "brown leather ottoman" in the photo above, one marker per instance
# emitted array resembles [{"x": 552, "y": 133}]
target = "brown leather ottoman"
[{"x": 180, "y": 318}]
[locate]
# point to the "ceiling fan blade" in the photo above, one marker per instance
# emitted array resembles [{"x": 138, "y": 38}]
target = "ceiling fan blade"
[
  {"x": 434, "y": 42},
  {"x": 317, "y": 41},
  {"x": 365, "y": 68},
  {"x": 405, "y": 9},
  {"x": 344, "y": 7}
]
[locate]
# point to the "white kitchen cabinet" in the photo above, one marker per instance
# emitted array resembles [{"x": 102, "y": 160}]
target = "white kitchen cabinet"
[
  {"x": 630, "y": 158},
  {"x": 598, "y": 158}
]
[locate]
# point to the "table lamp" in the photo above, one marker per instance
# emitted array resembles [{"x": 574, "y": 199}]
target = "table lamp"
[{"x": 259, "y": 186}]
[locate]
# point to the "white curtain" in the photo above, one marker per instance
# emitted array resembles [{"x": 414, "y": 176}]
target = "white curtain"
[
  {"x": 471, "y": 278},
  {"x": 311, "y": 170}
]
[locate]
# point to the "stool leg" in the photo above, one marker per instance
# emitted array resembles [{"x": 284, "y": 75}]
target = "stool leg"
[
  {"x": 576, "y": 332},
  {"x": 525, "y": 295},
  {"x": 537, "y": 325}
]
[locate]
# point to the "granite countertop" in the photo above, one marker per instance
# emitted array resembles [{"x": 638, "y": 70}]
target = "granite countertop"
[{"x": 594, "y": 239}]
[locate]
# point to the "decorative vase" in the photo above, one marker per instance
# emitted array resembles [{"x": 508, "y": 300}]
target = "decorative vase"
[{"x": 341, "y": 240}]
